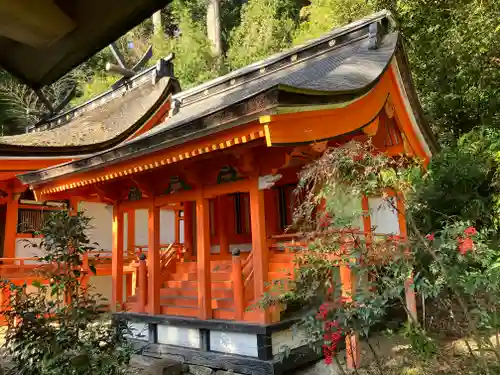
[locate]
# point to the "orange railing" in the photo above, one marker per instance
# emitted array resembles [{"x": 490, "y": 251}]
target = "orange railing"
[
  {"x": 376, "y": 243},
  {"x": 242, "y": 277},
  {"x": 169, "y": 255},
  {"x": 18, "y": 267}
]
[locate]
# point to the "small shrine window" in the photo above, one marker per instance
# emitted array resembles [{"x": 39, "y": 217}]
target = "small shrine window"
[
  {"x": 287, "y": 202},
  {"x": 31, "y": 220},
  {"x": 242, "y": 213}
]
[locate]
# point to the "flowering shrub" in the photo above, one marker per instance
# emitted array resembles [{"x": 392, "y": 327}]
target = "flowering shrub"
[{"x": 456, "y": 260}]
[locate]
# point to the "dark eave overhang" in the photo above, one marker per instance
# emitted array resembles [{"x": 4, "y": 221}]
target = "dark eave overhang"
[{"x": 97, "y": 24}]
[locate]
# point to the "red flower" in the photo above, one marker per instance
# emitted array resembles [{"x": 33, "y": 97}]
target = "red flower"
[
  {"x": 430, "y": 236},
  {"x": 328, "y": 359},
  {"x": 323, "y": 312},
  {"x": 465, "y": 245},
  {"x": 471, "y": 231}
]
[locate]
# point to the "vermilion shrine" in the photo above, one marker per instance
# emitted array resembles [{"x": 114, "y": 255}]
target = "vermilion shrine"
[{"x": 224, "y": 157}]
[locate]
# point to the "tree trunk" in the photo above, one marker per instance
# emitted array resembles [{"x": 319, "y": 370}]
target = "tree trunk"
[
  {"x": 213, "y": 26},
  {"x": 157, "y": 22}
]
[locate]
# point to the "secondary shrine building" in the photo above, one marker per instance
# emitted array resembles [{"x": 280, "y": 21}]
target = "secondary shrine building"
[
  {"x": 225, "y": 161},
  {"x": 127, "y": 110}
]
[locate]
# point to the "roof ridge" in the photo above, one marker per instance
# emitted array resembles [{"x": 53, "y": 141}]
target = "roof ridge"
[{"x": 98, "y": 101}]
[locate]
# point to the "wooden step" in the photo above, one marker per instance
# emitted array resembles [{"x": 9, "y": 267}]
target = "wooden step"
[
  {"x": 174, "y": 292},
  {"x": 221, "y": 267},
  {"x": 220, "y": 276},
  {"x": 222, "y": 285},
  {"x": 222, "y": 293},
  {"x": 185, "y": 267},
  {"x": 184, "y": 276},
  {"x": 179, "y": 311},
  {"x": 179, "y": 301},
  {"x": 222, "y": 303},
  {"x": 223, "y": 314},
  {"x": 182, "y": 284},
  {"x": 221, "y": 261}
]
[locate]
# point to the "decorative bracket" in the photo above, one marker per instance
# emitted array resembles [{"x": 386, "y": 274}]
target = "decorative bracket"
[{"x": 268, "y": 181}]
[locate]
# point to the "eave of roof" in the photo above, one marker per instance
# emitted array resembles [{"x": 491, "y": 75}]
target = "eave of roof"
[{"x": 98, "y": 24}]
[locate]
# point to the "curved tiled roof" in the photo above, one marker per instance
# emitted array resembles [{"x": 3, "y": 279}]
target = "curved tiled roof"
[{"x": 98, "y": 124}]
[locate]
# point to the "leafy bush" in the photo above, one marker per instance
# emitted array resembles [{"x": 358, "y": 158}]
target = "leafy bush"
[
  {"x": 462, "y": 183},
  {"x": 60, "y": 328}
]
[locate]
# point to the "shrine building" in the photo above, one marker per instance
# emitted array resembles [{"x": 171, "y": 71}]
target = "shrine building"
[
  {"x": 128, "y": 109},
  {"x": 224, "y": 161}
]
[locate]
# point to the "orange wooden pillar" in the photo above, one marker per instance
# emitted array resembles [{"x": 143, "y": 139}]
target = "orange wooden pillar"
[
  {"x": 203, "y": 257},
  {"x": 131, "y": 232},
  {"x": 9, "y": 247},
  {"x": 222, "y": 226},
  {"x": 352, "y": 340},
  {"x": 177, "y": 226},
  {"x": 188, "y": 229},
  {"x": 411, "y": 299},
  {"x": 259, "y": 243},
  {"x": 238, "y": 286},
  {"x": 117, "y": 259},
  {"x": 143, "y": 284},
  {"x": 130, "y": 250},
  {"x": 154, "y": 258}
]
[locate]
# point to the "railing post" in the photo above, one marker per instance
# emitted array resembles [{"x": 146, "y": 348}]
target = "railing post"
[
  {"x": 143, "y": 287},
  {"x": 238, "y": 292}
]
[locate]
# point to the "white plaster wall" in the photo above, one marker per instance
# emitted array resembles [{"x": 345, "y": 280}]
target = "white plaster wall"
[
  {"x": 167, "y": 227},
  {"x": 25, "y": 249},
  {"x": 141, "y": 227},
  {"x": 179, "y": 336},
  {"x": 286, "y": 340},
  {"x": 234, "y": 343},
  {"x": 384, "y": 218},
  {"x": 181, "y": 228},
  {"x": 125, "y": 231},
  {"x": 102, "y": 223},
  {"x": 139, "y": 331}
]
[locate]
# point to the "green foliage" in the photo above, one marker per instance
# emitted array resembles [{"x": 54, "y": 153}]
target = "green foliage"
[
  {"x": 462, "y": 183},
  {"x": 98, "y": 84},
  {"x": 60, "y": 328},
  {"x": 322, "y": 16},
  {"x": 453, "y": 50},
  {"x": 194, "y": 62},
  {"x": 266, "y": 27}
]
